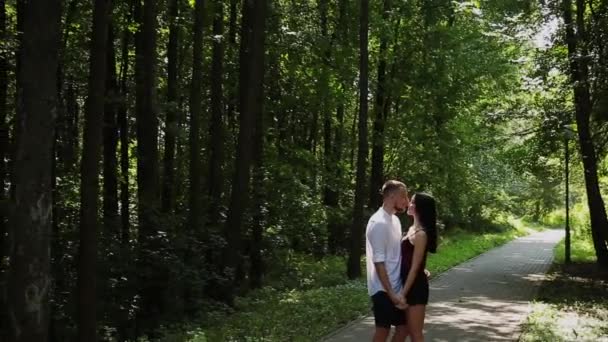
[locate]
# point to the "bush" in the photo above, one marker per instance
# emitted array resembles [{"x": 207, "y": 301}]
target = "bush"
[{"x": 306, "y": 299}]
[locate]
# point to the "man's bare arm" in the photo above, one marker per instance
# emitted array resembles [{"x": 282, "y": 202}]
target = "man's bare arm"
[{"x": 383, "y": 275}]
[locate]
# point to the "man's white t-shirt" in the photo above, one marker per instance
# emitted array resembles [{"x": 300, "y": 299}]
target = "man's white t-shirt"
[{"x": 383, "y": 244}]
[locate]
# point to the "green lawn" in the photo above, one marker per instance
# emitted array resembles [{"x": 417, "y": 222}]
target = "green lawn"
[
  {"x": 572, "y": 304},
  {"x": 323, "y": 299}
]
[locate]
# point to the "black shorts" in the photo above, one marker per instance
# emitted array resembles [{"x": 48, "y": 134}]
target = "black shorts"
[{"x": 386, "y": 313}]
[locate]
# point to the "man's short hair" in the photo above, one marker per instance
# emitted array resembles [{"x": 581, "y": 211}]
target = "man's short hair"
[{"x": 391, "y": 186}]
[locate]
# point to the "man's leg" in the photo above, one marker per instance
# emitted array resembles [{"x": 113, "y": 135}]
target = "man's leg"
[{"x": 383, "y": 316}]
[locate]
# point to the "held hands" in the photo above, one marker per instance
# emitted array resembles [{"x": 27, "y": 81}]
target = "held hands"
[{"x": 399, "y": 300}]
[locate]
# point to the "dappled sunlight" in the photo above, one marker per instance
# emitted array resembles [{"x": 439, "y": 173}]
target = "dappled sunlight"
[
  {"x": 550, "y": 322},
  {"x": 484, "y": 299},
  {"x": 477, "y": 318},
  {"x": 537, "y": 278}
]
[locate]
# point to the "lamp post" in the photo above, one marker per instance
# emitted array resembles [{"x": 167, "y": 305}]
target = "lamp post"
[{"x": 568, "y": 133}]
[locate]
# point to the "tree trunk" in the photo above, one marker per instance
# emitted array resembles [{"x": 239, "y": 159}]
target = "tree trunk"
[
  {"x": 151, "y": 277},
  {"x": 63, "y": 131},
  {"x": 123, "y": 128},
  {"x": 4, "y": 155},
  {"x": 256, "y": 272},
  {"x": 335, "y": 228},
  {"x": 31, "y": 218},
  {"x": 353, "y": 142},
  {"x": 257, "y": 269},
  {"x": 122, "y": 313},
  {"x": 4, "y": 147},
  {"x": 110, "y": 143},
  {"x": 65, "y": 155},
  {"x": 216, "y": 129},
  {"x": 579, "y": 71},
  {"x": 196, "y": 111},
  {"x": 250, "y": 104},
  {"x": 232, "y": 81},
  {"x": 89, "y": 188},
  {"x": 314, "y": 131},
  {"x": 171, "y": 127},
  {"x": 72, "y": 113},
  {"x": 354, "y": 255},
  {"x": 277, "y": 111},
  {"x": 335, "y": 240},
  {"x": 377, "y": 173},
  {"x": 330, "y": 193},
  {"x": 232, "y": 23}
]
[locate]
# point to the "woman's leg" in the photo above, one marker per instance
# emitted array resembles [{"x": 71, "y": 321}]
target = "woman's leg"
[
  {"x": 415, "y": 322},
  {"x": 400, "y": 333},
  {"x": 381, "y": 334}
]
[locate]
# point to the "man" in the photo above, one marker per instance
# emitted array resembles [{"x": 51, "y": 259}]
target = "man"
[{"x": 383, "y": 254}]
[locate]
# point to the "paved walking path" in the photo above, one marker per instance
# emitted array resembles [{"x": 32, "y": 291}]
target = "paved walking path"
[{"x": 483, "y": 299}]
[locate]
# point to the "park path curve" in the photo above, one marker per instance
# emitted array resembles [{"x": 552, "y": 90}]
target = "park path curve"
[{"x": 484, "y": 299}]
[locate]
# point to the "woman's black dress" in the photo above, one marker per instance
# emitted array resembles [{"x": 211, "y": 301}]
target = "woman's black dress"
[{"x": 419, "y": 292}]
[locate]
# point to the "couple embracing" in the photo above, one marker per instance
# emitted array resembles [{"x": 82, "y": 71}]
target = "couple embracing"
[{"x": 397, "y": 281}]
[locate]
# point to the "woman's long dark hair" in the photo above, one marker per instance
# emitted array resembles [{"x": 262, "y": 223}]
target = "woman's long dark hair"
[{"x": 427, "y": 214}]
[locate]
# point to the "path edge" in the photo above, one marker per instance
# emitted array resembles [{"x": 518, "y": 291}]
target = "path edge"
[{"x": 516, "y": 334}]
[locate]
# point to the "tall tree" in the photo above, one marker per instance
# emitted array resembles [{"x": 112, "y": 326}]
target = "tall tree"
[
  {"x": 123, "y": 128},
  {"x": 110, "y": 143},
  {"x": 579, "y": 75},
  {"x": 31, "y": 218},
  {"x": 333, "y": 150},
  {"x": 330, "y": 194},
  {"x": 123, "y": 227},
  {"x": 216, "y": 129},
  {"x": 4, "y": 135},
  {"x": 380, "y": 110},
  {"x": 89, "y": 188},
  {"x": 151, "y": 283},
  {"x": 256, "y": 271},
  {"x": 72, "y": 128},
  {"x": 250, "y": 103},
  {"x": 354, "y": 255},
  {"x": 196, "y": 112},
  {"x": 232, "y": 21},
  {"x": 64, "y": 154},
  {"x": 171, "y": 126},
  {"x": 232, "y": 82},
  {"x": 4, "y": 155}
]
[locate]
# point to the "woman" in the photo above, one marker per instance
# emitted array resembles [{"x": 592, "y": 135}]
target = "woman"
[{"x": 419, "y": 240}]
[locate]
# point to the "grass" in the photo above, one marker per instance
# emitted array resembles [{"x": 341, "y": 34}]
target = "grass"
[
  {"x": 322, "y": 299},
  {"x": 572, "y": 304}
]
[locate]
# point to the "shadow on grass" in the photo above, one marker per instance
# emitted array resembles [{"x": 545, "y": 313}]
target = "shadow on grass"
[
  {"x": 571, "y": 305},
  {"x": 577, "y": 282}
]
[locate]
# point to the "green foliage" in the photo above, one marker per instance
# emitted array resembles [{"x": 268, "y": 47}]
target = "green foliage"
[
  {"x": 322, "y": 299},
  {"x": 474, "y": 118},
  {"x": 581, "y": 247},
  {"x": 299, "y": 271}
]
